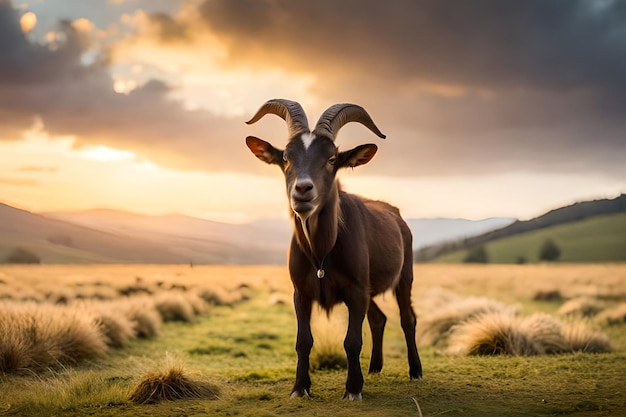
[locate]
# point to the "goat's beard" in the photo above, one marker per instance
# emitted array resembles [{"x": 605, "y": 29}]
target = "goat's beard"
[{"x": 304, "y": 223}]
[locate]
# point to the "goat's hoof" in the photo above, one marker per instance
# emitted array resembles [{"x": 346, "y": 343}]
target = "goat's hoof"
[
  {"x": 352, "y": 397},
  {"x": 299, "y": 394},
  {"x": 417, "y": 374},
  {"x": 418, "y": 380}
]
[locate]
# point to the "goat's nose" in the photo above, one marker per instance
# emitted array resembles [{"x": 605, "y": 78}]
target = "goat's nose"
[{"x": 303, "y": 186}]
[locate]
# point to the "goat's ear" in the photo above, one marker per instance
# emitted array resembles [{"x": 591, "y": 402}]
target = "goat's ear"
[
  {"x": 360, "y": 155},
  {"x": 264, "y": 150}
]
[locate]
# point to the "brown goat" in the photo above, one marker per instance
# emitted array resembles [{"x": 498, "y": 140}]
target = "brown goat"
[{"x": 344, "y": 248}]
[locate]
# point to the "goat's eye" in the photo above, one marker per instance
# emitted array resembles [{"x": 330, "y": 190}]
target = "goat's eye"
[
  {"x": 286, "y": 162},
  {"x": 332, "y": 160}
]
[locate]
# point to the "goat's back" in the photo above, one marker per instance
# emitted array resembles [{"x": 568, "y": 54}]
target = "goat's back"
[{"x": 388, "y": 237}]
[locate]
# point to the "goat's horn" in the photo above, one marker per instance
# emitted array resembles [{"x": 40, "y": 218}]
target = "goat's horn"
[
  {"x": 338, "y": 115},
  {"x": 288, "y": 110}
]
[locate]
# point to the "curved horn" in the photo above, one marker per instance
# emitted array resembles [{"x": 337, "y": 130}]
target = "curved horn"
[
  {"x": 288, "y": 110},
  {"x": 338, "y": 115}
]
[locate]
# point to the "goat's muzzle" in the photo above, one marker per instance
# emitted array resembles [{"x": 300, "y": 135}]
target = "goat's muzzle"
[{"x": 303, "y": 196}]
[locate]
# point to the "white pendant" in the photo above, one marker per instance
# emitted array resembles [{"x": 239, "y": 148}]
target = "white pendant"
[{"x": 320, "y": 273}]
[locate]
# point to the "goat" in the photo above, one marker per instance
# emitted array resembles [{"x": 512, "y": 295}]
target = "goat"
[{"x": 344, "y": 248}]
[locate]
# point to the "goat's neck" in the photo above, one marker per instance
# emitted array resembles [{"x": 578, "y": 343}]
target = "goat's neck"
[{"x": 317, "y": 233}]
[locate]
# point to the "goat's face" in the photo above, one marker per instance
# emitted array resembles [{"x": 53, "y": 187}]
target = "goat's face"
[{"x": 310, "y": 164}]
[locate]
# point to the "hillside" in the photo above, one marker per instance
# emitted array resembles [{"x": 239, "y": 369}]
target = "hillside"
[
  {"x": 574, "y": 212},
  {"x": 196, "y": 240},
  {"x": 56, "y": 241},
  {"x": 108, "y": 236},
  {"x": 596, "y": 239},
  {"x": 564, "y": 215},
  {"x": 111, "y": 236}
]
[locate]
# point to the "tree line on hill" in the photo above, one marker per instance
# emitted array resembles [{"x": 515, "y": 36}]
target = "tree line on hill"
[
  {"x": 22, "y": 256},
  {"x": 549, "y": 251},
  {"x": 568, "y": 214}
]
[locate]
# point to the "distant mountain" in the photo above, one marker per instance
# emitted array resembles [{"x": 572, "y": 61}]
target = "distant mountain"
[
  {"x": 575, "y": 212},
  {"x": 56, "y": 241},
  {"x": 264, "y": 241},
  {"x": 433, "y": 231},
  {"x": 195, "y": 240},
  {"x": 111, "y": 236}
]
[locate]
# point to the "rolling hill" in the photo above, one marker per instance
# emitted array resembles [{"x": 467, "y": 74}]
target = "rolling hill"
[
  {"x": 596, "y": 239},
  {"x": 591, "y": 231},
  {"x": 107, "y": 236},
  {"x": 56, "y": 241},
  {"x": 110, "y": 236},
  {"x": 587, "y": 231},
  {"x": 195, "y": 240},
  {"x": 263, "y": 242}
]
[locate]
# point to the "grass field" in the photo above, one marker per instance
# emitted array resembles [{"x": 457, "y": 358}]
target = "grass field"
[
  {"x": 597, "y": 239},
  {"x": 243, "y": 345}
]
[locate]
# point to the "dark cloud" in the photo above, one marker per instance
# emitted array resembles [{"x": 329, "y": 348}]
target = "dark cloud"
[
  {"x": 459, "y": 87},
  {"x": 503, "y": 44},
  {"x": 74, "y": 99},
  {"x": 463, "y": 86},
  {"x": 167, "y": 28}
]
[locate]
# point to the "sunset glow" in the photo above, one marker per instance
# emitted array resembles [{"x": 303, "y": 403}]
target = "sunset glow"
[
  {"x": 140, "y": 106},
  {"x": 28, "y": 21}
]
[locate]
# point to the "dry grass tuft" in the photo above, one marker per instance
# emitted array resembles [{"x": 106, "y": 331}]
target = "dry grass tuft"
[
  {"x": 116, "y": 327},
  {"x": 174, "y": 306},
  {"x": 482, "y": 326},
  {"x": 580, "y": 338},
  {"x": 279, "y": 299},
  {"x": 221, "y": 296},
  {"x": 545, "y": 330},
  {"x": 144, "y": 316},
  {"x": 215, "y": 296},
  {"x": 507, "y": 334},
  {"x": 328, "y": 352},
  {"x": 496, "y": 333},
  {"x": 434, "y": 329},
  {"x": 37, "y": 337},
  {"x": 196, "y": 302},
  {"x": 61, "y": 296},
  {"x": 580, "y": 307},
  {"x": 328, "y": 356},
  {"x": 243, "y": 293},
  {"x": 548, "y": 295},
  {"x": 613, "y": 316},
  {"x": 171, "y": 385}
]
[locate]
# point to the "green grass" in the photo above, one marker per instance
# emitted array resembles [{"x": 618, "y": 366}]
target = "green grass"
[
  {"x": 248, "y": 352},
  {"x": 597, "y": 239}
]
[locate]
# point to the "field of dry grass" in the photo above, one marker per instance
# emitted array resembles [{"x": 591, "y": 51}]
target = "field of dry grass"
[{"x": 102, "y": 339}]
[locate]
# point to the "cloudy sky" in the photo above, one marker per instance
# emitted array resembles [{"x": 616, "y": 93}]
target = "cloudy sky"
[{"x": 490, "y": 107}]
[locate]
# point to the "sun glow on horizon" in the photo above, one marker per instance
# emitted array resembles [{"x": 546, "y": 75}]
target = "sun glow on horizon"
[
  {"x": 104, "y": 153},
  {"x": 75, "y": 179},
  {"x": 43, "y": 173}
]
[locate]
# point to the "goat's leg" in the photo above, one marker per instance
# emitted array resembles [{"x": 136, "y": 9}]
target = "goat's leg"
[
  {"x": 408, "y": 320},
  {"x": 377, "y": 320},
  {"x": 357, "y": 308},
  {"x": 304, "y": 343}
]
